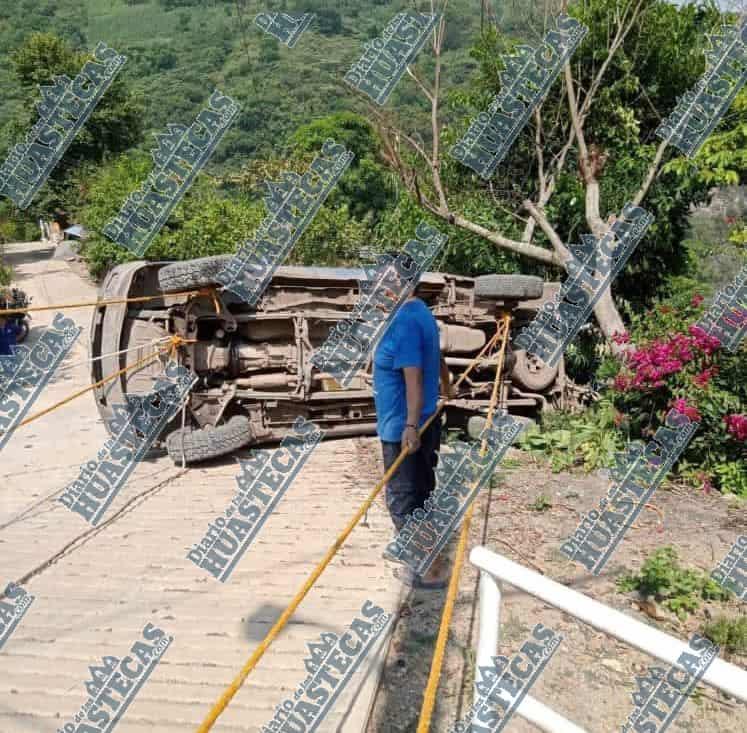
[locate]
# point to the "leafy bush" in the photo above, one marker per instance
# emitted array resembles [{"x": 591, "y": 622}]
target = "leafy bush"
[
  {"x": 678, "y": 365},
  {"x": 6, "y": 274},
  {"x": 590, "y": 439},
  {"x": 679, "y": 589},
  {"x": 211, "y": 220},
  {"x": 206, "y": 222},
  {"x": 729, "y": 633}
]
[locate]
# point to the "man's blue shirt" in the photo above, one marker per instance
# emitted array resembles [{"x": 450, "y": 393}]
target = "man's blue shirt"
[{"x": 410, "y": 341}]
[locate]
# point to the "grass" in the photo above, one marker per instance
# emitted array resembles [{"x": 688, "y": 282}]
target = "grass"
[{"x": 729, "y": 633}]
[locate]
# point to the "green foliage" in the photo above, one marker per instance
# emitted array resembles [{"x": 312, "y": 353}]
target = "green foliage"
[
  {"x": 6, "y": 275},
  {"x": 589, "y": 439},
  {"x": 209, "y": 221},
  {"x": 366, "y": 189},
  {"x": 679, "y": 589},
  {"x": 204, "y": 223},
  {"x": 713, "y": 454},
  {"x": 729, "y": 633},
  {"x": 722, "y": 160},
  {"x": 731, "y": 477},
  {"x": 114, "y": 126},
  {"x": 583, "y": 357},
  {"x": 540, "y": 504}
]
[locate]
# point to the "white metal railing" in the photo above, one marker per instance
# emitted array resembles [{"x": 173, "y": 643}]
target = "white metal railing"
[{"x": 493, "y": 567}]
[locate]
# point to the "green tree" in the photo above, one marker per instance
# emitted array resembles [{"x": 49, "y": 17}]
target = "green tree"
[
  {"x": 206, "y": 222},
  {"x": 366, "y": 189},
  {"x": 589, "y": 149},
  {"x": 114, "y": 126}
]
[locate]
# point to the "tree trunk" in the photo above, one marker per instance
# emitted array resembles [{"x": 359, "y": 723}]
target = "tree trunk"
[{"x": 609, "y": 320}]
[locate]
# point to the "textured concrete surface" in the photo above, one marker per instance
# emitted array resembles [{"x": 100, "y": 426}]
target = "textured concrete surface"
[{"x": 96, "y": 588}]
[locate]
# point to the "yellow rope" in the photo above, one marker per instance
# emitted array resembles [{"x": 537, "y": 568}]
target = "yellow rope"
[
  {"x": 258, "y": 653},
  {"x": 174, "y": 343},
  {"x": 138, "y": 299},
  {"x": 431, "y": 688},
  {"x": 429, "y": 697},
  {"x": 47, "y": 410}
]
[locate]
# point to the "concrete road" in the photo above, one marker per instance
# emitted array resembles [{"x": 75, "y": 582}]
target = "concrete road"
[{"x": 96, "y": 588}]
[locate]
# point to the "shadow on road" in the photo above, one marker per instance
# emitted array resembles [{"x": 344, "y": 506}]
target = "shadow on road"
[{"x": 17, "y": 257}]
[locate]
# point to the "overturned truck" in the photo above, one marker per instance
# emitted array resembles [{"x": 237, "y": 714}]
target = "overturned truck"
[{"x": 253, "y": 364}]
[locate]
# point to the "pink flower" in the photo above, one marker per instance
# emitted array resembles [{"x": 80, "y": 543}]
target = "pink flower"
[
  {"x": 690, "y": 411},
  {"x": 621, "y": 338},
  {"x": 703, "y": 378},
  {"x": 736, "y": 425},
  {"x": 704, "y": 341},
  {"x": 622, "y": 383},
  {"x": 697, "y": 299}
]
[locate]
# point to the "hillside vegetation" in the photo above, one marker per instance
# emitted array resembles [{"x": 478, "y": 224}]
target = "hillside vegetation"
[{"x": 179, "y": 49}]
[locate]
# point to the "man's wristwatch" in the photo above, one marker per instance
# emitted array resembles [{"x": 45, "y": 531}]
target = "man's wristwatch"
[{"x": 415, "y": 427}]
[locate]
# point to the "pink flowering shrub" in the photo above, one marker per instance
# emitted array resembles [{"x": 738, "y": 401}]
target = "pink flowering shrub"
[
  {"x": 676, "y": 365},
  {"x": 736, "y": 425}
]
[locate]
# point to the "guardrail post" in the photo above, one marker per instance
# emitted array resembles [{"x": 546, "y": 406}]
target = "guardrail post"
[
  {"x": 489, "y": 621},
  {"x": 530, "y": 709}
]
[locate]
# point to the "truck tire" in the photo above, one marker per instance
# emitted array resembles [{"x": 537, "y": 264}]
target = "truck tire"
[
  {"x": 209, "y": 442},
  {"x": 508, "y": 287},
  {"x": 23, "y": 331},
  {"x": 476, "y": 424},
  {"x": 191, "y": 273},
  {"x": 532, "y": 373}
]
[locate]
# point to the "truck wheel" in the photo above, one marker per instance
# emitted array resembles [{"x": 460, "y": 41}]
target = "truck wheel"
[
  {"x": 209, "y": 442},
  {"x": 191, "y": 273},
  {"x": 23, "y": 332},
  {"x": 476, "y": 424},
  {"x": 532, "y": 373},
  {"x": 508, "y": 287}
]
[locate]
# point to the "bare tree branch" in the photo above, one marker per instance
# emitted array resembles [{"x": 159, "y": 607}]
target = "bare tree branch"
[
  {"x": 620, "y": 36},
  {"x": 422, "y": 86},
  {"x": 573, "y": 109},
  {"x": 560, "y": 249},
  {"x": 520, "y": 248},
  {"x": 435, "y": 131},
  {"x": 651, "y": 174},
  {"x": 384, "y": 124}
]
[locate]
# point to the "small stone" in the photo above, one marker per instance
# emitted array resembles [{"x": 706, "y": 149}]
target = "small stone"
[{"x": 612, "y": 664}]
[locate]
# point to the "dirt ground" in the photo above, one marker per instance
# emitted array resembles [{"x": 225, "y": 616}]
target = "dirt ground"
[{"x": 591, "y": 677}]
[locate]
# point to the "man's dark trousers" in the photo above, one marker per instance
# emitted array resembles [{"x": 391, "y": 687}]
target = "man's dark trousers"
[{"x": 415, "y": 478}]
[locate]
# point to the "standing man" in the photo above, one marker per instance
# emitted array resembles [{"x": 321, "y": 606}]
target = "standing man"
[{"x": 408, "y": 367}]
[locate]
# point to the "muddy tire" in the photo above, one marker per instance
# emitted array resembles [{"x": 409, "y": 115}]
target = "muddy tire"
[
  {"x": 23, "y": 332},
  {"x": 532, "y": 373},
  {"x": 476, "y": 424},
  {"x": 508, "y": 287},
  {"x": 191, "y": 274},
  {"x": 211, "y": 442}
]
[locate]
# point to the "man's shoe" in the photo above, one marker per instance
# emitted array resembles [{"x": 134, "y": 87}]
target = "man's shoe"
[
  {"x": 437, "y": 575},
  {"x": 412, "y": 580},
  {"x": 387, "y": 555}
]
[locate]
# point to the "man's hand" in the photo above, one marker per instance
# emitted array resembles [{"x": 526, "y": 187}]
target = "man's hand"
[{"x": 410, "y": 440}]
